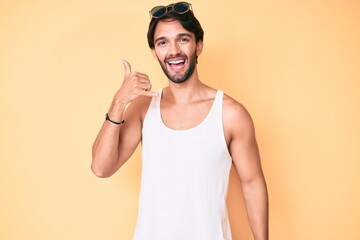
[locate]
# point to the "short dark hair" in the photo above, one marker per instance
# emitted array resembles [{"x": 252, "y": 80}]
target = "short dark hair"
[{"x": 187, "y": 20}]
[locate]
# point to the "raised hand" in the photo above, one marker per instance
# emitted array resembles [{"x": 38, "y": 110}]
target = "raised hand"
[{"x": 135, "y": 84}]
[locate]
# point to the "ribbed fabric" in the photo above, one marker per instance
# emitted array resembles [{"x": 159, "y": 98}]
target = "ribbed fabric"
[{"x": 185, "y": 175}]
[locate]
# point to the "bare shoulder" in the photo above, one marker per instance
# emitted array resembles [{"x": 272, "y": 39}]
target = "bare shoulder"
[
  {"x": 236, "y": 118},
  {"x": 233, "y": 110}
]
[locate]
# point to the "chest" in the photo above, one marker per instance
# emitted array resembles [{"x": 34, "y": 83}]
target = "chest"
[{"x": 184, "y": 116}]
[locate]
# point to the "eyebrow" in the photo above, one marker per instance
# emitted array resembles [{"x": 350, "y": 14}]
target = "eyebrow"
[
  {"x": 179, "y": 35},
  {"x": 185, "y": 35}
]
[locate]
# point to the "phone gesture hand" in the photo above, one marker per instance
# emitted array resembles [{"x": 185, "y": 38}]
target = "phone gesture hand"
[{"x": 135, "y": 84}]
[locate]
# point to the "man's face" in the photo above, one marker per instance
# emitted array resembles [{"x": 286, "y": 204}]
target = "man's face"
[{"x": 176, "y": 50}]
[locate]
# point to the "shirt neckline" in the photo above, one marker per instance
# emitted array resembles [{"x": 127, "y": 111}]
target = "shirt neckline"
[{"x": 188, "y": 129}]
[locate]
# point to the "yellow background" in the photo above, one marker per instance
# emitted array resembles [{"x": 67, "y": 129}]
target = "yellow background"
[{"x": 294, "y": 64}]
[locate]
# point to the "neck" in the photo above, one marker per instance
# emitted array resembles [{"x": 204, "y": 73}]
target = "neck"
[{"x": 187, "y": 91}]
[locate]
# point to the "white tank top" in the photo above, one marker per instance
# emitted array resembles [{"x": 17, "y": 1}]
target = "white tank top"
[{"x": 185, "y": 175}]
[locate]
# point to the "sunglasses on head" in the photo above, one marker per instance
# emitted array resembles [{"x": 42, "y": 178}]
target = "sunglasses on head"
[{"x": 180, "y": 8}]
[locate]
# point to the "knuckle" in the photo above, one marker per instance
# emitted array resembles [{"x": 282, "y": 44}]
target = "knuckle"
[{"x": 133, "y": 78}]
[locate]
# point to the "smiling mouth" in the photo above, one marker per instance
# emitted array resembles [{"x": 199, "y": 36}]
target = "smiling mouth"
[
  {"x": 176, "y": 65},
  {"x": 176, "y": 62}
]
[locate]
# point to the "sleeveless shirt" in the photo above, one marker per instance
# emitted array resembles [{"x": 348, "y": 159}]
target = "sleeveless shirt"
[{"x": 184, "y": 181}]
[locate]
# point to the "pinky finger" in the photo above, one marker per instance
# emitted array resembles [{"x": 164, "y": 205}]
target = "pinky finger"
[{"x": 147, "y": 93}]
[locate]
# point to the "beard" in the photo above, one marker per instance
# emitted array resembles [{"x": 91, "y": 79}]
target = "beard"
[{"x": 177, "y": 77}]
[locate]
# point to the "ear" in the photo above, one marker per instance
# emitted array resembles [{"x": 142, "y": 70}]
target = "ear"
[
  {"x": 154, "y": 54},
  {"x": 199, "y": 47}
]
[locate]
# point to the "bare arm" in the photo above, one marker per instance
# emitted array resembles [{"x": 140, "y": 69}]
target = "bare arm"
[
  {"x": 115, "y": 144},
  {"x": 246, "y": 159}
]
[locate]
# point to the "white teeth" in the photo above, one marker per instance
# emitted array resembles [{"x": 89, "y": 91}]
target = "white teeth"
[{"x": 177, "y": 62}]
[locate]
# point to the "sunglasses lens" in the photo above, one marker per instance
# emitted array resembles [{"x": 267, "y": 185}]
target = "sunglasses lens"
[
  {"x": 181, "y": 7},
  {"x": 159, "y": 11}
]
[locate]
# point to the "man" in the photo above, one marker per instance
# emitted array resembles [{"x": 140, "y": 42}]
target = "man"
[{"x": 190, "y": 135}]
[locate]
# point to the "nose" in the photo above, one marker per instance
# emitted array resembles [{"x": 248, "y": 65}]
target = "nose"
[{"x": 174, "y": 49}]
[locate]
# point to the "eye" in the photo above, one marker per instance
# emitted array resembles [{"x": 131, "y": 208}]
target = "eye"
[
  {"x": 184, "y": 40},
  {"x": 161, "y": 43}
]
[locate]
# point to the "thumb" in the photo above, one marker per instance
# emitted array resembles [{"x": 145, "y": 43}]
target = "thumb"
[{"x": 127, "y": 67}]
